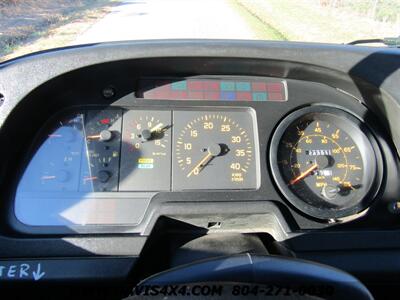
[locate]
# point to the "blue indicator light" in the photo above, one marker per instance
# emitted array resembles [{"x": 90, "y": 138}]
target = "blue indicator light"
[
  {"x": 230, "y": 96},
  {"x": 145, "y": 166}
]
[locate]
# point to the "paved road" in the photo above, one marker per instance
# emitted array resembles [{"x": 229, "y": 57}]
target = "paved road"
[{"x": 155, "y": 19}]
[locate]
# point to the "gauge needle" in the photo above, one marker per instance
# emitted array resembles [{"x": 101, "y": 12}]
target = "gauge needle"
[
  {"x": 93, "y": 137},
  {"x": 155, "y": 128},
  {"x": 201, "y": 163},
  {"x": 304, "y": 174},
  {"x": 48, "y": 177},
  {"x": 89, "y": 178},
  {"x": 212, "y": 151},
  {"x": 104, "y": 136}
]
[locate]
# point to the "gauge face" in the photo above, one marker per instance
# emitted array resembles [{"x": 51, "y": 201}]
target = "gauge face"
[
  {"x": 53, "y": 168},
  {"x": 214, "y": 150},
  {"x": 324, "y": 162},
  {"x": 146, "y": 151},
  {"x": 100, "y": 165}
]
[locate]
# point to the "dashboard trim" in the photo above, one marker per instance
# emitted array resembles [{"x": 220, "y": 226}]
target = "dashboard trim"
[{"x": 363, "y": 80}]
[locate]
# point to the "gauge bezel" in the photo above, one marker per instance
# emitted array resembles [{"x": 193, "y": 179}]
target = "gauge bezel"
[
  {"x": 246, "y": 112},
  {"x": 355, "y": 125}
]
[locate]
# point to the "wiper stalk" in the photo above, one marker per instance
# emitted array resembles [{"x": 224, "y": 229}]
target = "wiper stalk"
[{"x": 390, "y": 42}]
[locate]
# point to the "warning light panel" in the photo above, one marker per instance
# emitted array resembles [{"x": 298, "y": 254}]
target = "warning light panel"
[{"x": 260, "y": 90}]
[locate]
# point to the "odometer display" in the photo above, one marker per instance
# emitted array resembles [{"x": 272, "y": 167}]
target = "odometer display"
[
  {"x": 324, "y": 162},
  {"x": 214, "y": 150}
]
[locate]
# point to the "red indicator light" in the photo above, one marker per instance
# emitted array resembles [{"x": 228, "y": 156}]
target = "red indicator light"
[
  {"x": 211, "y": 96},
  {"x": 195, "y": 95},
  {"x": 105, "y": 121},
  {"x": 211, "y": 86},
  {"x": 276, "y": 97},
  {"x": 259, "y": 86},
  {"x": 195, "y": 85},
  {"x": 245, "y": 96},
  {"x": 274, "y": 87},
  {"x": 178, "y": 95}
]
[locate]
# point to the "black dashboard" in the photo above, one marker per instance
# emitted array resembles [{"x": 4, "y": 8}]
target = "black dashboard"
[{"x": 112, "y": 150}]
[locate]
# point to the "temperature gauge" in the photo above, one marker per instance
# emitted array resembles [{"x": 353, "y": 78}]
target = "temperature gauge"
[{"x": 146, "y": 151}]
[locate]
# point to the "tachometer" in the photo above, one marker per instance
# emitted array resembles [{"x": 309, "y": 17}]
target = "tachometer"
[
  {"x": 146, "y": 151},
  {"x": 214, "y": 150},
  {"x": 325, "y": 162}
]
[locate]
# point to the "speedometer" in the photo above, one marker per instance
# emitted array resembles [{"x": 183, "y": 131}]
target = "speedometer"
[
  {"x": 214, "y": 150},
  {"x": 325, "y": 162}
]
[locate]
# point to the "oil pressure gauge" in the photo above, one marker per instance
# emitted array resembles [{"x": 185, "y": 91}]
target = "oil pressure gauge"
[{"x": 325, "y": 162}]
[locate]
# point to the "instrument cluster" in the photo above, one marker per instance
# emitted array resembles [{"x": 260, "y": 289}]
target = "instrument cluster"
[
  {"x": 95, "y": 153},
  {"x": 94, "y": 165},
  {"x": 323, "y": 160}
]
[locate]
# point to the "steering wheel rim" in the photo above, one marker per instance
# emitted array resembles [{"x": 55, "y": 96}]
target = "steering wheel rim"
[{"x": 247, "y": 268}]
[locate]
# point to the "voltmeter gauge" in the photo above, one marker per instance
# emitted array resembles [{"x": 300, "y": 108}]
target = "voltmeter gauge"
[
  {"x": 325, "y": 161},
  {"x": 146, "y": 151}
]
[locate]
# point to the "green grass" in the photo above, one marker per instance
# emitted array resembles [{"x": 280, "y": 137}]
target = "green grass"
[
  {"x": 310, "y": 21},
  {"x": 261, "y": 29}
]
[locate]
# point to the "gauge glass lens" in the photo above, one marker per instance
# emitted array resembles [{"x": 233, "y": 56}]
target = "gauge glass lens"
[
  {"x": 214, "y": 150},
  {"x": 100, "y": 165},
  {"x": 75, "y": 156},
  {"x": 54, "y": 166},
  {"x": 146, "y": 151},
  {"x": 325, "y": 163}
]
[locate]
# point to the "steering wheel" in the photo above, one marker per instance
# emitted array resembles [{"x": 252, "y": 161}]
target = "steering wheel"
[{"x": 247, "y": 276}]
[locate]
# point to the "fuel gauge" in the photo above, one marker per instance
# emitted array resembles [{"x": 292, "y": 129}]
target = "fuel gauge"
[{"x": 146, "y": 151}]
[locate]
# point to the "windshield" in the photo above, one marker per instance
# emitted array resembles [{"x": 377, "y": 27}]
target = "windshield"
[{"x": 32, "y": 25}]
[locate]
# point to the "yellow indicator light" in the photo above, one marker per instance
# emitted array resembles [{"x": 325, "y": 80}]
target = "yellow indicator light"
[{"x": 143, "y": 160}]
